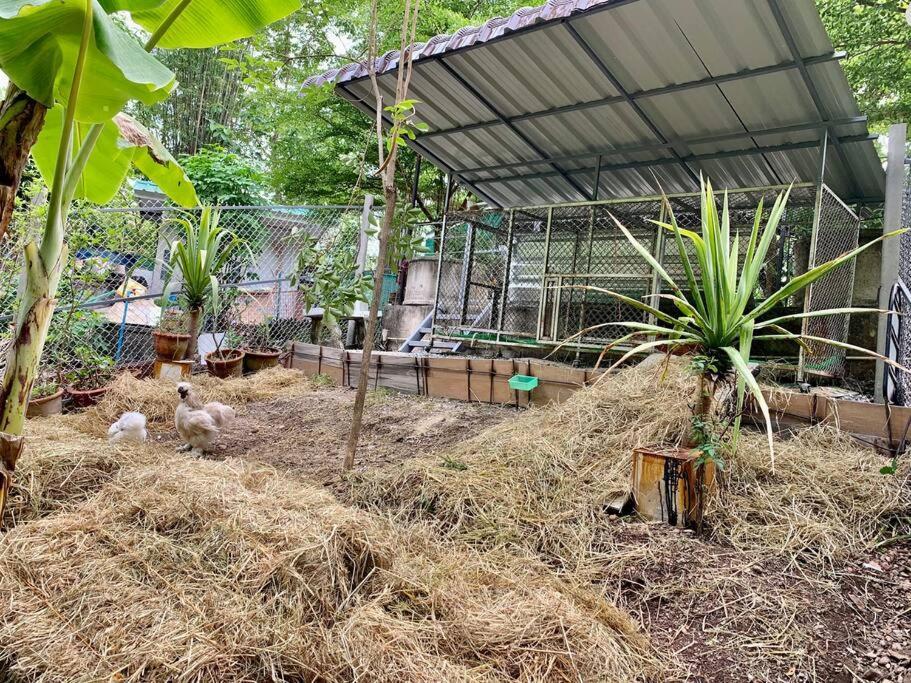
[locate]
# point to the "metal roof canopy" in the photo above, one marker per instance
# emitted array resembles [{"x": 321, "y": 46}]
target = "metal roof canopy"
[{"x": 594, "y": 99}]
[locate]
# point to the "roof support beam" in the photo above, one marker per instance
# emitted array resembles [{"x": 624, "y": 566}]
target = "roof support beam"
[
  {"x": 598, "y": 62},
  {"x": 642, "y": 94},
  {"x": 811, "y": 88},
  {"x": 687, "y": 159},
  {"x": 496, "y": 112},
  {"x": 689, "y": 142}
]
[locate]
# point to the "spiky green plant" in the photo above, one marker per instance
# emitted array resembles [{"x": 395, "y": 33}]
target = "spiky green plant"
[
  {"x": 198, "y": 259},
  {"x": 712, "y": 313}
]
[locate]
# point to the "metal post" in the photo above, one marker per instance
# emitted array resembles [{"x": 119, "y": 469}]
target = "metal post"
[
  {"x": 655, "y": 286},
  {"x": 888, "y": 274},
  {"x": 436, "y": 295},
  {"x": 542, "y": 303},
  {"x": 505, "y": 288},
  {"x": 814, "y": 236},
  {"x": 467, "y": 262},
  {"x": 597, "y": 188}
]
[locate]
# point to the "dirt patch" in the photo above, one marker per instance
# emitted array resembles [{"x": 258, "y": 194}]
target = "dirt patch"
[{"x": 306, "y": 435}]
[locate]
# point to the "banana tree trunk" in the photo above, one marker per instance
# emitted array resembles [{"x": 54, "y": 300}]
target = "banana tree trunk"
[
  {"x": 40, "y": 277},
  {"x": 193, "y": 331},
  {"x": 21, "y": 119}
]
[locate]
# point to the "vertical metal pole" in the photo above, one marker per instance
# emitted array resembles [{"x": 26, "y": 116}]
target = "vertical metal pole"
[
  {"x": 417, "y": 178},
  {"x": 467, "y": 262},
  {"x": 596, "y": 190},
  {"x": 655, "y": 286},
  {"x": 542, "y": 304},
  {"x": 588, "y": 272},
  {"x": 436, "y": 295},
  {"x": 504, "y": 290},
  {"x": 892, "y": 220},
  {"x": 814, "y": 237}
]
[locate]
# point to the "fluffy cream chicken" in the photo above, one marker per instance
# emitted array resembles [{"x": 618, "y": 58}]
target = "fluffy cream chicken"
[
  {"x": 130, "y": 428},
  {"x": 199, "y": 425}
]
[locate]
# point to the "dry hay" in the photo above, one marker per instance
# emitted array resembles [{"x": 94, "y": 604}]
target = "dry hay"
[
  {"x": 541, "y": 483},
  {"x": 203, "y": 571},
  {"x": 824, "y": 502},
  {"x": 157, "y": 398},
  {"x": 61, "y": 466}
]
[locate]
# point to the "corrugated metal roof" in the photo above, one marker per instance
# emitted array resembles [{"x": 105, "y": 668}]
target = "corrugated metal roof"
[{"x": 520, "y": 108}]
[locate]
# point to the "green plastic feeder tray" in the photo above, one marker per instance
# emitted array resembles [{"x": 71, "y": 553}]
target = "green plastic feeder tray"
[{"x": 523, "y": 382}]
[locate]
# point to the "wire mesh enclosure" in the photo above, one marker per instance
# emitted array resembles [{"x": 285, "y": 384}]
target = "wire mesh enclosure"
[
  {"x": 897, "y": 389},
  {"x": 109, "y": 298},
  {"x": 537, "y": 276}
]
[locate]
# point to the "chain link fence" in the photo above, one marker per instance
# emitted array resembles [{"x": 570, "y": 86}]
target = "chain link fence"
[
  {"x": 109, "y": 299},
  {"x": 537, "y": 275},
  {"x": 837, "y": 232},
  {"x": 898, "y": 330}
]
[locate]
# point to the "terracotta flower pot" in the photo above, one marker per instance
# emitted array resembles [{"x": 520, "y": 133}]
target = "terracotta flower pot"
[
  {"x": 260, "y": 359},
  {"x": 46, "y": 405},
  {"x": 225, "y": 363},
  {"x": 86, "y": 398},
  {"x": 170, "y": 345}
]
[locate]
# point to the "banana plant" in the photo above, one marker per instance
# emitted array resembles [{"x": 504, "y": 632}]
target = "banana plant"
[
  {"x": 197, "y": 260},
  {"x": 73, "y": 59},
  {"x": 713, "y": 314}
]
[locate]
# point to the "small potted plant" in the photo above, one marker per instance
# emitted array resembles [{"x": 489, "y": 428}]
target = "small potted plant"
[
  {"x": 88, "y": 382},
  {"x": 46, "y": 399},
  {"x": 229, "y": 361},
  {"x": 171, "y": 338},
  {"x": 259, "y": 353}
]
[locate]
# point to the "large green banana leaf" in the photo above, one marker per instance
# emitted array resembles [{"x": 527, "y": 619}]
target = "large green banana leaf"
[
  {"x": 123, "y": 141},
  {"x": 39, "y": 41},
  {"x": 205, "y": 23}
]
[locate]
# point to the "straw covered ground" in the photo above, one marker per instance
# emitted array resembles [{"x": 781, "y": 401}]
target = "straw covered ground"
[
  {"x": 488, "y": 558},
  {"x": 205, "y": 571}
]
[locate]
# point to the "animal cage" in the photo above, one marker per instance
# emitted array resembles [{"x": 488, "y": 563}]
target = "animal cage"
[{"x": 533, "y": 276}]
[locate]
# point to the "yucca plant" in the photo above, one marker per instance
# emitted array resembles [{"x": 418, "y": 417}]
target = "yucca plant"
[
  {"x": 199, "y": 259},
  {"x": 712, "y": 316}
]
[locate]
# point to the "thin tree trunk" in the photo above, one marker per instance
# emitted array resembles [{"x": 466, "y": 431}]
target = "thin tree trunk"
[
  {"x": 21, "y": 119},
  {"x": 370, "y": 334},
  {"x": 193, "y": 330}
]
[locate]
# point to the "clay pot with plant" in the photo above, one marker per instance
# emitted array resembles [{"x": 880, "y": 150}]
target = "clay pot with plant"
[
  {"x": 194, "y": 266},
  {"x": 171, "y": 338},
  {"x": 227, "y": 360},
  {"x": 88, "y": 382},
  {"x": 46, "y": 399},
  {"x": 259, "y": 352}
]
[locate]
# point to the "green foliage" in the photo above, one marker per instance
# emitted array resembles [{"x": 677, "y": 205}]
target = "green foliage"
[
  {"x": 75, "y": 347},
  {"x": 712, "y": 302},
  {"x": 198, "y": 259},
  {"x": 877, "y": 39},
  {"x": 328, "y": 278},
  {"x": 405, "y": 240},
  {"x": 224, "y": 178}
]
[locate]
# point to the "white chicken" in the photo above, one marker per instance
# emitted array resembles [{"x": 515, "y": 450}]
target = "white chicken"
[
  {"x": 130, "y": 428},
  {"x": 199, "y": 425}
]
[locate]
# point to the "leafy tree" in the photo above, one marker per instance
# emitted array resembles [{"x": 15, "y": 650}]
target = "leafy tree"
[
  {"x": 224, "y": 178},
  {"x": 877, "y": 40}
]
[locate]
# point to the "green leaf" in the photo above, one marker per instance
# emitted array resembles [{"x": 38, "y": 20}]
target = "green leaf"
[
  {"x": 743, "y": 372},
  {"x": 206, "y": 23},
  {"x": 123, "y": 141},
  {"x": 39, "y": 40}
]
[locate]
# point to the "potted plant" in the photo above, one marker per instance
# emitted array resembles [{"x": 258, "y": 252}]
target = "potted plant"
[
  {"x": 46, "y": 399},
  {"x": 171, "y": 338},
  {"x": 198, "y": 259},
  {"x": 228, "y": 361},
  {"x": 88, "y": 381},
  {"x": 259, "y": 353}
]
